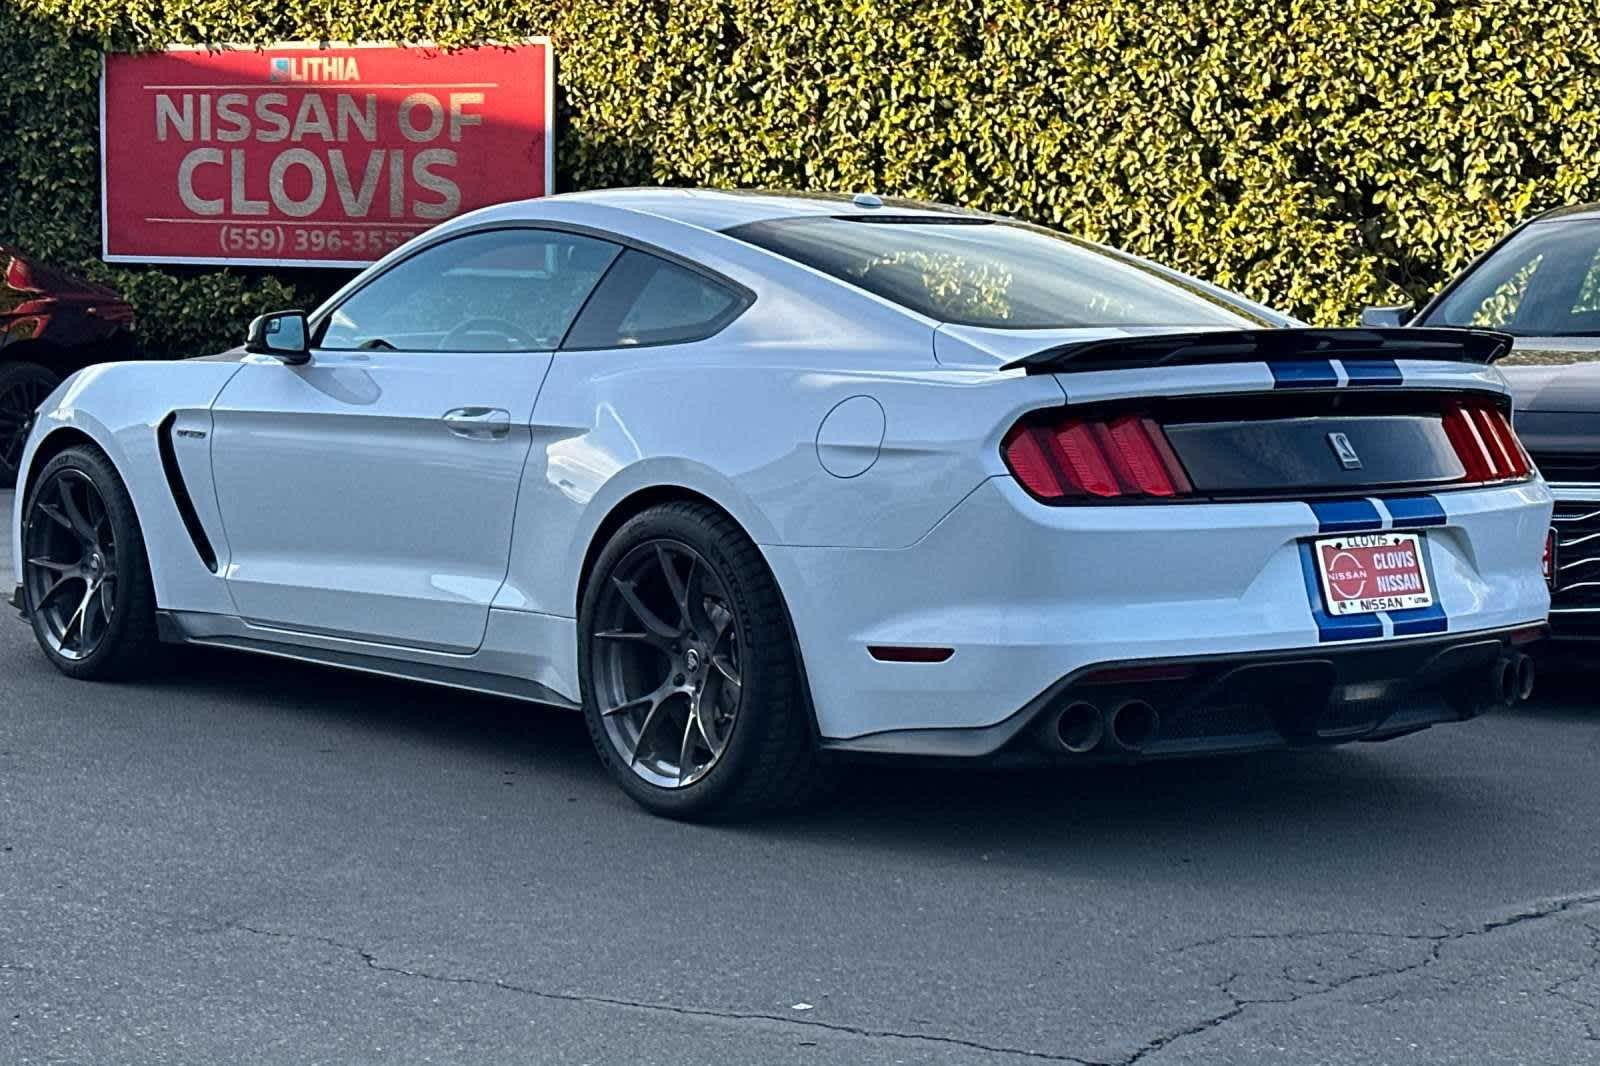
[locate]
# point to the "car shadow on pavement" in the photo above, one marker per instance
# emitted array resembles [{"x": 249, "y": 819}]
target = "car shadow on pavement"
[
  {"x": 385, "y": 707},
  {"x": 1565, "y": 692},
  {"x": 1398, "y": 798}
]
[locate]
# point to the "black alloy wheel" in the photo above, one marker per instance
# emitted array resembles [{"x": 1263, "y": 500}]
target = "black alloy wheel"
[
  {"x": 666, "y": 668},
  {"x": 85, "y": 580},
  {"x": 70, "y": 564},
  {"x": 692, "y": 685}
]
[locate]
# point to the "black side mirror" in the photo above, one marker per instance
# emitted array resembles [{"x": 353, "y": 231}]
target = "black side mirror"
[
  {"x": 1388, "y": 316},
  {"x": 282, "y": 335}
]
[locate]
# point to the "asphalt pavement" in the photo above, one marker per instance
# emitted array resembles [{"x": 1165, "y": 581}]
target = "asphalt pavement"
[
  {"x": 6, "y": 579},
  {"x": 246, "y": 862}
]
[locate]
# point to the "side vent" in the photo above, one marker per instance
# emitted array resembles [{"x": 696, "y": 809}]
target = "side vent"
[{"x": 180, "y": 495}]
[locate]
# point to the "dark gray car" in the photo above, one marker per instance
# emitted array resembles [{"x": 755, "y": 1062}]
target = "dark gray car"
[{"x": 1541, "y": 284}]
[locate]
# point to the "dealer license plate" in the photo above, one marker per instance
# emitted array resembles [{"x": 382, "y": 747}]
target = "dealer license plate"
[{"x": 1367, "y": 572}]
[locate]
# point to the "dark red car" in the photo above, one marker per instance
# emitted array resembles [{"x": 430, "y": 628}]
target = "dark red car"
[{"x": 51, "y": 324}]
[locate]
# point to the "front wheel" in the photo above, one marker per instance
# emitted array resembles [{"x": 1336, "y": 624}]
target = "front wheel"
[
  {"x": 85, "y": 578},
  {"x": 692, "y": 690}
]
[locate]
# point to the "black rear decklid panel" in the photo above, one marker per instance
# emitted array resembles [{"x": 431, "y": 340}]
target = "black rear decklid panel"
[
  {"x": 1265, "y": 346},
  {"x": 1293, "y": 455}
]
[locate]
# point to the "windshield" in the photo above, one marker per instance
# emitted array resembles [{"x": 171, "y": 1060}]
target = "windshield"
[
  {"x": 1543, "y": 282},
  {"x": 975, "y": 272}
]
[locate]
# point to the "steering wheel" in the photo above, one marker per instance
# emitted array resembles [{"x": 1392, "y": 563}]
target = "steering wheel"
[{"x": 489, "y": 324}]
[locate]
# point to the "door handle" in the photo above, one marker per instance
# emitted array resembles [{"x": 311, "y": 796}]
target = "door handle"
[{"x": 478, "y": 423}]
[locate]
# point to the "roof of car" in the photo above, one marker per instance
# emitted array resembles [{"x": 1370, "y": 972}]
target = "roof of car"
[
  {"x": 1572, "y": 212},
  {"x": 724, "y": 208}
]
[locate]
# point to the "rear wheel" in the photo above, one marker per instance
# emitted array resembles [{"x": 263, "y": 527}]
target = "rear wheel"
[
  {"x": 23, "y": 387},
  {"x": 85, "y": 578},
  {"x": 692, "y": 691}
]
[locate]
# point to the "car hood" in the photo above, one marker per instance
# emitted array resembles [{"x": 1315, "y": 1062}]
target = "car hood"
[{"x": 1561, "y": 374}]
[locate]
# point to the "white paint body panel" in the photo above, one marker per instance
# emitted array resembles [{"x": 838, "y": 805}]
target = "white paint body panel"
[
  {"x": 345, "y": 516},
  {"x": 318, "y": 470},
  {"x": 118, "y": 407},
  {"x": 1057, "y": 589}
]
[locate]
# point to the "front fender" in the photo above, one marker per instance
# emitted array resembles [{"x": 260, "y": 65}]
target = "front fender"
[{"x": 119, "y": 408}]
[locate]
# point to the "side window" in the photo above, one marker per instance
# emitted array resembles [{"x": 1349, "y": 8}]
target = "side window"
[
  {"x": 1588, "y": 301},
  {"x": 510, "y": 290},
  {"x": 1500, "y": 307},
  {"x": 646, "y": 300}
]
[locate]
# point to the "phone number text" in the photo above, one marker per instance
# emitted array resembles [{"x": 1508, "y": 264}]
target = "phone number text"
[{"x": 333, "y": 242}]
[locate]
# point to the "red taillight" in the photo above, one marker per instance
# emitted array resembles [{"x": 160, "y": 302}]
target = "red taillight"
[
  {"x": 1083, "y": 460},
  {"x": 1484, "y": 442},
  {"x": 1025, "y": 454},
  {"x": 1097, "y": 457}
]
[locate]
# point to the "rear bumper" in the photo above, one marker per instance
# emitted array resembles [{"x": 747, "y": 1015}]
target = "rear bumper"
[
  {"x": 1234, "y": 703},
  {"x": 1023, "y": 595}
]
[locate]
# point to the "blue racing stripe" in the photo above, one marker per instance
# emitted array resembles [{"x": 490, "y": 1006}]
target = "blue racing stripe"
[
  {"x": 1332, "y": 627},
  {"x": 1409, "y": 512},
  {"x": 1317, "y": 374},
  {"x": 1367, "y": 372},
  {"x": 1345, "y": 516},
  {"x": 1420, "y": 620}
]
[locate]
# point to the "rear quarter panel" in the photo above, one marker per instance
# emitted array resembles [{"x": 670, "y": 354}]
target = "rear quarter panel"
[{"x": 738, "y": 421}]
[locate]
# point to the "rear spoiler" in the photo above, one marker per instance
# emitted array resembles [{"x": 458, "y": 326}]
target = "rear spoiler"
[{"x": 1266, "y": 346}]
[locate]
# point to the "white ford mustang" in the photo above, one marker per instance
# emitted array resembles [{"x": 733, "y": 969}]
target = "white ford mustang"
[{"x": 759, "y": 481}]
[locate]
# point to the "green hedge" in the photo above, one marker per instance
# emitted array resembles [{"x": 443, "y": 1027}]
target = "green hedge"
[{"x": 1315, "y": 154}]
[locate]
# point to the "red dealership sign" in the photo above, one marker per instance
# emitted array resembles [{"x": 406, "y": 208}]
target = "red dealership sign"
[{"x": 301, "y": 155}]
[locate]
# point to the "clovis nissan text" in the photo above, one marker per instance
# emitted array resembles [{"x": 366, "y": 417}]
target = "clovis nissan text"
[{"x": 765, "y": 481}]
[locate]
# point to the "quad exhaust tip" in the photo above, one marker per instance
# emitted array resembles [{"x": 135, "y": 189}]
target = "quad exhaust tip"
[
  {"x": 1511, "y": 679},
  {"x": 1080, "y": 727},
  {"x": 1134, "y": 724},
  {"x": 1525, "y": 677},
  {"x": 1518, "y": 684}
]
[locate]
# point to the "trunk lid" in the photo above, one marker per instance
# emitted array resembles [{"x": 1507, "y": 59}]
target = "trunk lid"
[{"x": 1290, "y": 413}]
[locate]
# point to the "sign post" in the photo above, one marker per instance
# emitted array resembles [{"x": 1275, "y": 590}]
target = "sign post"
[{"x": 302, "y": 155}]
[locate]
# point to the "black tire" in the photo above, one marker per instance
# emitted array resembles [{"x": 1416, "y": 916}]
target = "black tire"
[
  {"x": 769, "y": 761},
  {"x": 127, "y": 645},
  {"x": 23, "y": 386}
]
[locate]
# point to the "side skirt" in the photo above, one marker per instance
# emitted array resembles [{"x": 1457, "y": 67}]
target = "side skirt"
[{"x": 171, "y": 630}]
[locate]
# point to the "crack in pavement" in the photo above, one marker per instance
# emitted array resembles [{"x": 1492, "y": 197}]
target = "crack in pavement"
[
  {"x": 1437, "y": 942},
  {"x": 1590, "y": 972},
  {"x": 372, "y": 963},
  {"x": 1300, "y": 988}
]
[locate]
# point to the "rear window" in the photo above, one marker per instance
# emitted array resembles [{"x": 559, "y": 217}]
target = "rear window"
[{"x": 977, "y": 272}]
